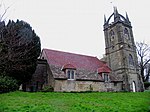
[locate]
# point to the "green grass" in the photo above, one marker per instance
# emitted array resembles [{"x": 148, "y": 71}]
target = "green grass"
[{"x": 74, "y": 102}]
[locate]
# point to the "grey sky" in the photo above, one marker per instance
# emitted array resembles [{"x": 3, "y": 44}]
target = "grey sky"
[{"x": 77, "y": 25}]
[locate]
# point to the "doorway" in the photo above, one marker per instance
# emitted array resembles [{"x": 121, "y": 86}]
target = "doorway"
[{"x": 133, "y": 86}]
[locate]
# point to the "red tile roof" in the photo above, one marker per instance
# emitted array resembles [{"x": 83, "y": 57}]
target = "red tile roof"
[
  {"x": 104, "y": 69},
  {"x": 66, "y": 66},
  {"x": 59, "y": 58}
]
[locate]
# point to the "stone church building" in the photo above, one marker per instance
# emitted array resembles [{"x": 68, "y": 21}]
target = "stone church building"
[{"x": 117, "y": 71}]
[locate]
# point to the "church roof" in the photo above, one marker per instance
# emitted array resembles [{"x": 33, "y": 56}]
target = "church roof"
[
  {"x": 86, "y": 66},
  {"x": 59, "y": 58}
]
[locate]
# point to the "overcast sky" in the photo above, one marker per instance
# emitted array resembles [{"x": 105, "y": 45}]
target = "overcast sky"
[{"x": 77, "y": 25}]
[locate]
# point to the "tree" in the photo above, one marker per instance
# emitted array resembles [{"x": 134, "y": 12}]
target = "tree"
[
  {"x": 19, "y": 50},
  {"x": 147, "y": 71},
  {"x": 143, "y": 51},
  {"x": 3, "y": 11}
]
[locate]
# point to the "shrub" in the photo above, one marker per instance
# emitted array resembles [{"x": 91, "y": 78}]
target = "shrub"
[
  {"x": 7, "y": 84},
  {"x": 48, "y": 89},
  {"x": 146, "y": 84}
]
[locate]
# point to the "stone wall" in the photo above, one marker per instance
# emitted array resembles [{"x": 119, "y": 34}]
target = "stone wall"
[
  {"x": 39, "y": 77},
  {"x": 73, "y": 85}
]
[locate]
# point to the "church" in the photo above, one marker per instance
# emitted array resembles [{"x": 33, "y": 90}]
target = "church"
[{"x": 117, "y": 71}]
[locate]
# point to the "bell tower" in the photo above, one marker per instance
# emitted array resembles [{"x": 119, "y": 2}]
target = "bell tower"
[{"x": 120, "y": 50}]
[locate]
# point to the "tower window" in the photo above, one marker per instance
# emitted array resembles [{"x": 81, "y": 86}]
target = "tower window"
[
  {"x": 129, "y": 46},
  {"x": 126, "y": 32},
  {"x": 111, "y": 33},
  {"x": 112, "y": 47},
  {"x": 131, "y": 61}
]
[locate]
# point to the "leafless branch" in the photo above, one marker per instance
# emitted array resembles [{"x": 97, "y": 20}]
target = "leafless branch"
[
  {"x": 143, "y": 51},
  {"x": 3, "y": 12}
]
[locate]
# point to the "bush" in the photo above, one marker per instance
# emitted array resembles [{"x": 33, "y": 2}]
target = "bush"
[
  {"x": 146, "y": 84},
  {"x": 7, "y": 84},
  {"x": 48, "y": 89}
]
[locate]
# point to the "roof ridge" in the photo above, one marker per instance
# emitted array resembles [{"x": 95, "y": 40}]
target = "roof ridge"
[{"x": 70, "y": 53}]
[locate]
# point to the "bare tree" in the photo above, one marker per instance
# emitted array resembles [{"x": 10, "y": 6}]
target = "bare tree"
[
  {"x": 3, "y": 11},
  {"x": 143, "y": 51},
  {"x": 147, "y": 71}
]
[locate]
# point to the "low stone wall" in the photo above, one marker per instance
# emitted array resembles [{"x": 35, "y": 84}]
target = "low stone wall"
[{"x": 78, "y": 86}]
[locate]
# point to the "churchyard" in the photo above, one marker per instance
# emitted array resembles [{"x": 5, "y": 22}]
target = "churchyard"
[{"x": 75, "y": 102}]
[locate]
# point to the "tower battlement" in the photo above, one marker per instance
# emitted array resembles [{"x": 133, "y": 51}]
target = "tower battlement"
[{"x": 114, "y": 18}]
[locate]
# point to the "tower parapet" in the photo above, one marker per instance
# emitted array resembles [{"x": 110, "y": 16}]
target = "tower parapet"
[{"x": 117, "y": 18}]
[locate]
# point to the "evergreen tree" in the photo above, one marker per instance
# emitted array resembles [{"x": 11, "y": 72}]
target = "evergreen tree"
[{"x": 19, "y": 50}]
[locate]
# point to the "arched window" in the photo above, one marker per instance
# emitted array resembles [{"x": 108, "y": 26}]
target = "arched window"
[
  {"x": 126, "y": 33},
  {"x": 112, "y": 35},
  {"x": 131, "y": 61}
]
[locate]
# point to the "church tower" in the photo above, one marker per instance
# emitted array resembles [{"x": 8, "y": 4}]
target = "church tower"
[{"x": 120, "y": 51}]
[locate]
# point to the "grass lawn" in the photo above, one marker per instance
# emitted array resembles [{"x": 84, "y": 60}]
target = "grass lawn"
[{"x": 74, "y": 102}]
